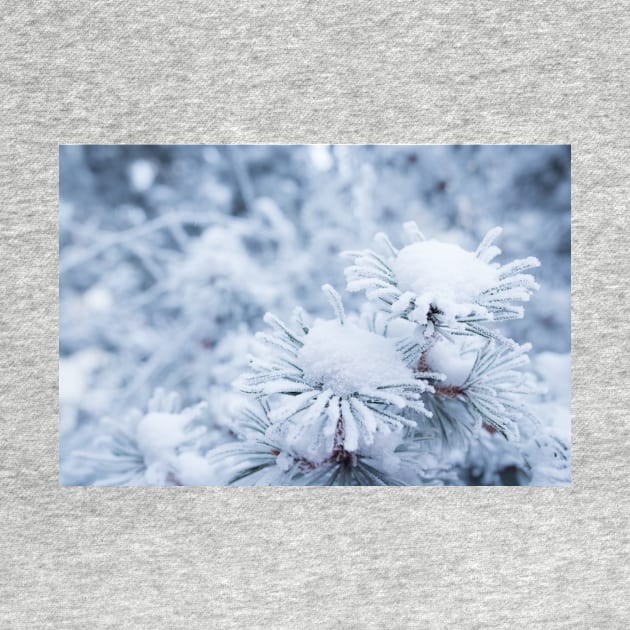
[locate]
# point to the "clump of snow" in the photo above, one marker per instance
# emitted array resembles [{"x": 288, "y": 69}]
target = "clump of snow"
[
  {"x": 555, "y": 409},
  {"x": 159, "y": 434},
  {"x": 76, "y": 371},
  {"x": 382, "y": 451},
  {"x": 451, "y": 360},
  {"x": 75, "y": 378},
  {"x": 164, "y": 430},
  {"x": 194, "y": 469},
  {"x": 346, "y": 358},
  {"x": 321, "y": 157},
  {"x": 443, "y": 274},
  {"x": 555, "y": 369},
  {"x": 142, "y": 174},
  {"x": 388, "y": 327},
  {"x": 98, "y": 299}
]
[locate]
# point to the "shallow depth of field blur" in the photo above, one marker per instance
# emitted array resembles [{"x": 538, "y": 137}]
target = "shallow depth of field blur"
[{"x": 171, "y": 255}]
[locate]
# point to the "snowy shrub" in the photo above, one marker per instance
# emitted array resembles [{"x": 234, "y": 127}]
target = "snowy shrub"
[
  {"x": 156, "y": 448},
  {"x": 343, "y": 403},
  {"x": 173, "y": 371}
]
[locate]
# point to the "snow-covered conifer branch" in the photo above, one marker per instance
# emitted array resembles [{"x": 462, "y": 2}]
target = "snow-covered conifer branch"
[
  {"x": 162, "y": 446},
  {"x": 350, "y": 403},
  {"x": 440, "y": 286},
  {"x": 342, "y": 403}
]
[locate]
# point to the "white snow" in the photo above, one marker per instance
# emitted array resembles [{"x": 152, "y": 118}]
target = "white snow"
[
  {"x": 555, "y": 369},
  {"x": 321, "y": 157},
  {"x": 76, "y": 374},
  {"x": 159, "y": 434},
  {"x": 451, "y": 360},
  {"x": 555, "y": 410},
  {"x": 443, "y": 274},
  {"x": 142, "y": 174},
  {"x": 98, "y": 299},
  {"x": 347, "y": 359},
  {"x": 194, "y": 469}
]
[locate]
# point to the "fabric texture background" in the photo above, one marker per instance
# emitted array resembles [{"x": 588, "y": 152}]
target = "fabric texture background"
[{"x": 429, "y": 72}]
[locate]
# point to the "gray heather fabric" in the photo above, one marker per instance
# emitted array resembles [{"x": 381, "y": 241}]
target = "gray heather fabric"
[{"x": 313, "y": 72}]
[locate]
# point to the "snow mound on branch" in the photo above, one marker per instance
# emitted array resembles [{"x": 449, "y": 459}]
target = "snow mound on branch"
[
  {"x": 451, "y": 360},
  {"x": 346, "y": 359},
  {"x": 160, "y": 434},
  {"x": 163, "y": 432},
  {"x": 443, "y": 274}
]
